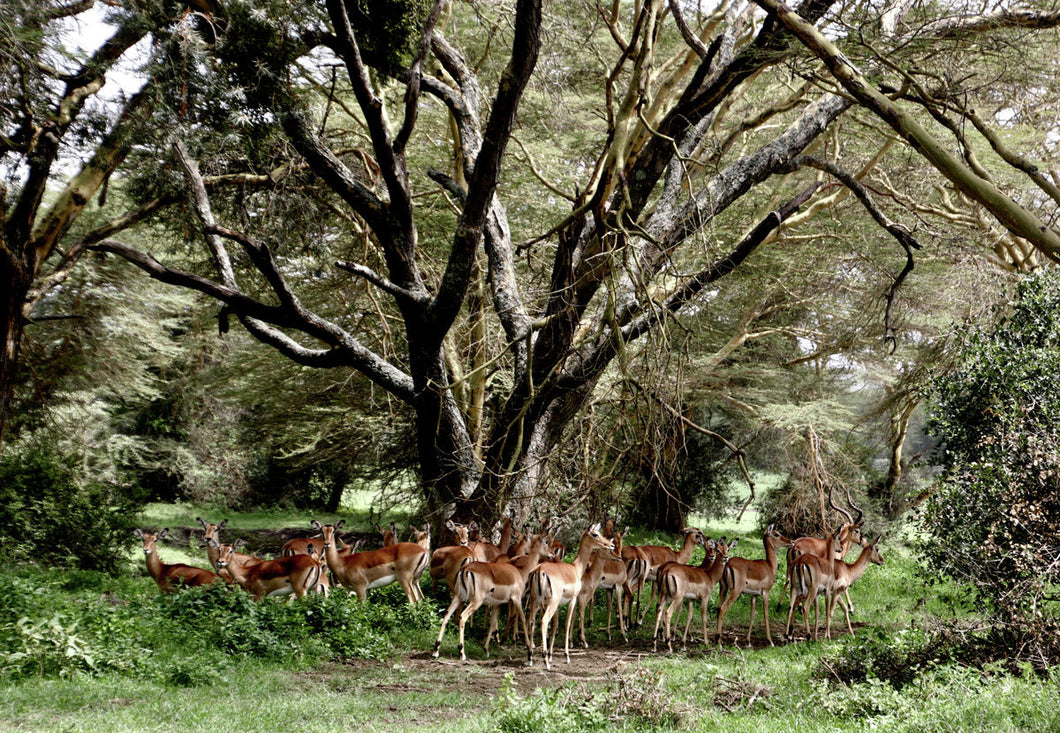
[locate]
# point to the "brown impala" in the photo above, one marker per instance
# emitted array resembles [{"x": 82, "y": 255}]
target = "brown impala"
[
  {"x": 751, "y": 577},
  {"x": 168, "y": 577},
  {"x": 402, "y": 563}
]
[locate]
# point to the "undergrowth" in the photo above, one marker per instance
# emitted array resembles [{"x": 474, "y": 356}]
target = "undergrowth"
[{"x": 52, "y": 627}]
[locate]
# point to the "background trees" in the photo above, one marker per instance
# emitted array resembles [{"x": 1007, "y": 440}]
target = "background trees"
[{"x": 554, "y": 242}]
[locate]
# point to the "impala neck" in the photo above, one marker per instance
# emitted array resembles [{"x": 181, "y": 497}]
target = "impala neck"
[
  {"x": 585, "y": 551},
  {"x": 771, "y": 552},
  {"x": 687, "y": 548},
  {"x": 154, "y": 563},
  {"x": 855, "y": 569}
]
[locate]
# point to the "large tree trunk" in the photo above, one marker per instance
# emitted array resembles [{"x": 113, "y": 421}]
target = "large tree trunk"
[{"x": 12, "y": 323}]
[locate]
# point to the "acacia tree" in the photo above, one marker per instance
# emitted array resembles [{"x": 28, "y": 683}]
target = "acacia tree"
[
  {"x": 63, "y": 134},
  {"x": 704, "y": 152}
]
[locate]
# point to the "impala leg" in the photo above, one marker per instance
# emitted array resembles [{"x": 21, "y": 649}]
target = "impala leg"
[
  {"x": 452, "y": 607},
  {"x": 610, "y": 599},
  {"x": 703, "y": 613},
  {"x": 464, "y": 616},
  {"x": 659, "y": 613},
  {"x": 723, "y": 608},
  {"x": 546, "y": 619},
  {"x": 765, "y": 610},
  {"x": 846, "y": 612},
  {"x": 581, "y": 619},
  {"x": 570, "y": 624},
  {"x": 793, "y": 601},
  {"x": 751, "y": 623}
]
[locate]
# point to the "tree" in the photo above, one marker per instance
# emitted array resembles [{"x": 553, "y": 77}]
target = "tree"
[
  {"x": 991, "y": 519},
  {"x": 689, "y": 151},
  {"x": 64, "y": 134}
]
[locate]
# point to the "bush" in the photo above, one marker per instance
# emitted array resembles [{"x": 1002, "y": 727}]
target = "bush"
[
  {"x": 991, "y": 521},
  {"x": 52, "y": 627},
  {"x": 896, "y": 658},
  {"x": 49, "y": 517}
]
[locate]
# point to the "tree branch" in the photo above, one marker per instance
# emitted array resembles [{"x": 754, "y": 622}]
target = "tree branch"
[{"x": 1013, "y": 216}]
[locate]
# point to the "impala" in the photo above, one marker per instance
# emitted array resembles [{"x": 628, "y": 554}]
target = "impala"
[
  {"x": 678, "y": 582},
  {"x": 807, "y": 578},
  {"x": 592, "y": 579},
  {"x": 554, "y": 584},
  {"x": 495, "y": 585},
  {"x": 843, "y": 576},
  {"x": 389, "y": 535},
  {"x": 613, "y": 583},
  {"x": 169, "y": 576},
  {"x": 489, "y": 552},
  {"x": 751, "y": 577},
  {"x": 441, "y": 566},
  {"x": 651, "y": 557},
  {"x": 403, "y": 563},
  {"x": 849, "y": 534},
  {"x": 298, "y": 574},
  {"x": 212, "y": 531}
]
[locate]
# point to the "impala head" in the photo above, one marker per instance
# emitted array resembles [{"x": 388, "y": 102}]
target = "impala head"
[
  {"x": 874, "y": 551},
  {"x": 327, "y": 531},
  {"x": 149, "y": 539},
  {"x": 775, "y": 538},
  {"x": 210, "y": 529},
  {"x": 852, "y": 527},
  {"x": 226, "y": 552},
  {"x": 725, "y": 550},
  {"x": 462, "y": 532},
  {"x": 539, "y": 543},
  {"x": 422, "y": 537},
  {"x": 596, "y": 538}
]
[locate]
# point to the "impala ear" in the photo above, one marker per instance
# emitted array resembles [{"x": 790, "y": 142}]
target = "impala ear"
[
  {"x": 340, "y": 524},
  {"x": 138, "y": 533},
  {"x": 222, "y": 524},
  {"x": 316, "y": 525},
  {"x": 200, "y": 521},
  {"x": 239, "y": 543}
]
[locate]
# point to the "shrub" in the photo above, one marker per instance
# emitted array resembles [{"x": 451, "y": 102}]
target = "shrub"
[
  {"x": 896, "y": 658},
  {"x": 49, "y": 517},
  {"x": 991, "y": 520}
]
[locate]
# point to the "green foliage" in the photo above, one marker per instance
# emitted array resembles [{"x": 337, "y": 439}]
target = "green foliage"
[
  {"x": 638, "y": 698},
  {"x": 992, "y": 519},
  {"x": 388, "y": 31},
  {"x": 49, "y": 516},
  {"x": 894, "y": 657},
  {"x": 50, "y": 628}
]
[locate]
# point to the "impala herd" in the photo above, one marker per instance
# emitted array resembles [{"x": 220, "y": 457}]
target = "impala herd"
[{"x": 526, "y": 575}]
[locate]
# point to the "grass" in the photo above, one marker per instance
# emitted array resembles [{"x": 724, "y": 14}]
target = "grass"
[{"x": 115, "y": 656}]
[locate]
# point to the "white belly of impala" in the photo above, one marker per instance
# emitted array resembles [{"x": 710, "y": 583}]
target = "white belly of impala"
[{"x": 384, "y": 580}]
